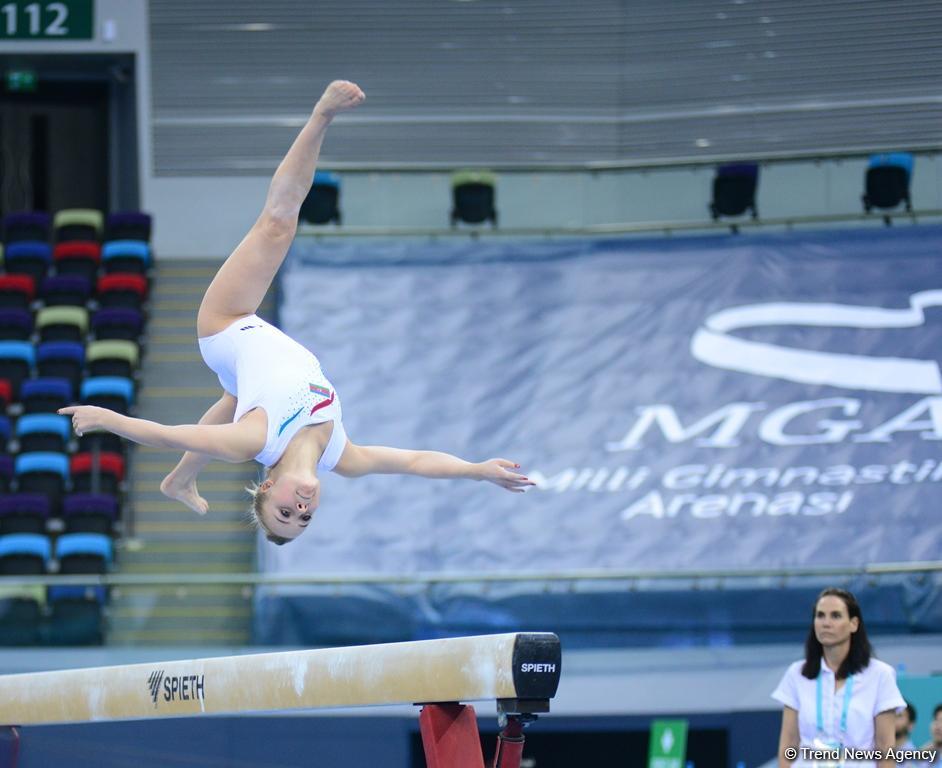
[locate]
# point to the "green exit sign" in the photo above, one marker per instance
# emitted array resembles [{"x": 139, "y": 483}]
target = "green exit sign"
[
  {"x": 21, "y": 80},
  {"x": 44, "y": 20}
]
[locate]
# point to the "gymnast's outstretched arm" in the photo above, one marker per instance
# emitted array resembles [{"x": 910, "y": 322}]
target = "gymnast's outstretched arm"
[
  {"x": 236, "y": 442},
  {"x": 359, "y": 460}
]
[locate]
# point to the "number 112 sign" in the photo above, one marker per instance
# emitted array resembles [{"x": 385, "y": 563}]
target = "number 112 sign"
[{"x": 46, "y": 19}]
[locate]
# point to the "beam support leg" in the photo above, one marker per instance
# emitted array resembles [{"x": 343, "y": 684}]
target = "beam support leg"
[
  {"x": 9, "y": 746},
  {"x": 450, "y": 736},
  {"x": 509, "y": 744}
]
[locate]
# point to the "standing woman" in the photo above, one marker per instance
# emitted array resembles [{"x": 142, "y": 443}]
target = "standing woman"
[
  {"x": 277, "y": 406},
  {"x": 840, "y": 695}
]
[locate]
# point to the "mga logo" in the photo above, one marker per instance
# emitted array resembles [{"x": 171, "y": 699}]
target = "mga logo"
[
  {"x": 715, "y": 345},
  {"x": 153, "y": 682}
]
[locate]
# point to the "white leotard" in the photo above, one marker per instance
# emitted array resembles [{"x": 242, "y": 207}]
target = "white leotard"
[{"x": 264, "y": 368}]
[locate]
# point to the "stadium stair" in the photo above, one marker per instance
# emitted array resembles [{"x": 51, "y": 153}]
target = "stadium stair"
[{"x": 165, "y": 537}]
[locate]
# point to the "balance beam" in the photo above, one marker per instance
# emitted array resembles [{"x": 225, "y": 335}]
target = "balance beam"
[{"x": 521, "y": 671}]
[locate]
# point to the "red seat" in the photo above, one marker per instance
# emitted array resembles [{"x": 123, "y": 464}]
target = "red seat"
[
  {"x": 6, "y": 394},
  {"x": 121, "y": 282},
  {"x": 108, "y": 463},
  {"x": 16, "y": 290},
  {"x": 77, "y": 249}
]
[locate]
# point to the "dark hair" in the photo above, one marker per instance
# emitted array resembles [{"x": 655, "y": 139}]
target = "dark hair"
[
  {"x": 910, "y": 711},
  {"x": 860, "y": 649},
  {"x": 935, "y": 712}
]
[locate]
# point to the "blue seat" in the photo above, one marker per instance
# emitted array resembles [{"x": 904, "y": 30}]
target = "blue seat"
[
  {"x": 42, "y": 461},
  {"x": 902, "y": 160},
  {"x": 126, "y": 256},
  {"x": 28, "y": 257},
  {"x": 4, "y": 431},
  {"x": 322, "y": 204},
  {"x": 27, "y": 225},
  {"x": 112, "y": 392},
  {"x": 39, "y": 432},
  {"x": 6, "y": 472},
  {"x": 887, "y": 182},
  {"x": 45, "y": 395},
  {"x": 84, "y": 552},
  {"x": 61, "y": 359},
  {"x": 24, "y": 553},
  {"x": 17, "y": 350},
  {"x": 89, "y": 513},
  {"x": 95, "y": 593}
]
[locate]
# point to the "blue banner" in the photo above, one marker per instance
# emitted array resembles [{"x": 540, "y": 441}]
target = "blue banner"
[{"x": 703, "y": 403}]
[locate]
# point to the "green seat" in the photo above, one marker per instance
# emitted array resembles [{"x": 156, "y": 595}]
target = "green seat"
[
  {"x": 78, "y": 224},
  {"x": 112, "y": 358},
  {"x": 62, "y": 323},
  {"x": 35, "y": 592},
  {"x": 486, "y": 178}
]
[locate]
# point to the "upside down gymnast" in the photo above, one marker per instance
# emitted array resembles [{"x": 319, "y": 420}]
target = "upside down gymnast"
[{"x": 277, "y": 405}]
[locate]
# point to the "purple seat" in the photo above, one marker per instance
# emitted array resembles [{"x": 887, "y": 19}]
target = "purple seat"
[
  {"x": 117, "y": 323},
  {"x": 89, "y": 513},
  {"x": 128, "y": 225},
  {"x": 65, "y": 290},
  {"x": 15, "y": 324},
  {"x": 28, "y": 225},
  {"x": 24, "y": 513}
]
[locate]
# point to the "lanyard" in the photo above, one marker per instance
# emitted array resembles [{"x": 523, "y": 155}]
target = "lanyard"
[{"x": 848, "y": 688}]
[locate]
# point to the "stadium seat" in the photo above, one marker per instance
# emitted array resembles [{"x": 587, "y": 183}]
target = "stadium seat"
[
  {"x": 28, "y": 225},
  {"x": 16, "y": 291},
  {"x": 6, "y": 473},
  {"x": 28, "y": 257},
  {"x": 322, "y": 204},
  {"x": 117, "y": 323},
  {"x": 89, "y": 513},
  {"x": 84, "y": 553},
  {"x": 21, "y": 615},
  {"x": 887, "y": 182},
  {"x": 6, "y": 394},
  {"x": 112, "y": 358},
  {"x": 110, "y": 472},
  {"x": 110, "y": 392},
  {"x": 16, "y": 362},
  {"x": 44, "y": 473},
  {"x": 24, "y": 554},
  {"x": 62, "y": 323},
  {"x": 6, "y": 431},
  {"x": 473, "y": 197},
  {"x": 75, "y": 615},
  {"x": 65, "y": 291},
  {"x": 61, "y": 359},
  {"x": 78, "y": 224},
  {"x": 46, "y": 395},
  {"x": 734, "y": 190},
  {"x": 105, "y": 442},
  {"x": 126, "y": 256},
  {"x": 77, "y": 258},
  {"x": 43, "y": 432},
  {"x": 16, "y": 324},
  {"x": 128, "y": 225},
  {"x": 23, "y": 513},
  {"x": 122, "y": 290}
]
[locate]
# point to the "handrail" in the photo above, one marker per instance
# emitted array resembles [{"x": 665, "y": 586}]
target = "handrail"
[
  {"x": 639, "y": 164},
  {"x": 428, "y": 579},
  {"x": 667, "y": 227}
]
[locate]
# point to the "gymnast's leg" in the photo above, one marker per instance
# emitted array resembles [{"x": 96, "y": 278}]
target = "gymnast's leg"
[
  {"x": 244, "y": 278},
  {"x": 180, "y": 484}
]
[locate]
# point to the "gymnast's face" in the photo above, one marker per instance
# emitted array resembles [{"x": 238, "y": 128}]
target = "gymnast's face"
[{"x": 290, "y": 504}]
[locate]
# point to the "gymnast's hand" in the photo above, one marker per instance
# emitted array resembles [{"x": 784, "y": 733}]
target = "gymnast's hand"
[
  {"x": 500, "y": 472},
  {"x": 88, "y": 418},
  {"x": 340, "y": 96}
]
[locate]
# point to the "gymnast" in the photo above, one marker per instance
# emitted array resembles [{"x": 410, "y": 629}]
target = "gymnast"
[{"x": 277, "y": 406}]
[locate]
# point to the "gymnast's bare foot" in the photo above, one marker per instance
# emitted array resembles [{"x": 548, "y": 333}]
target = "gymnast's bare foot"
[{"x": 184, "y": 490}]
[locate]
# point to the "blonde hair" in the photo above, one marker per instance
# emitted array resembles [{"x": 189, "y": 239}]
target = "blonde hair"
[{"x": 259, "y": 497}]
